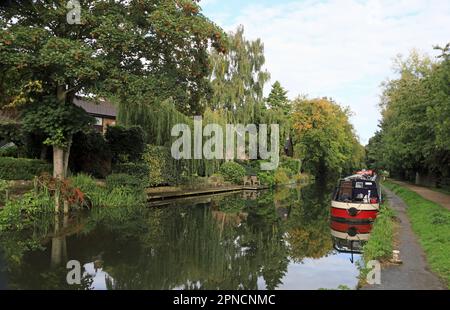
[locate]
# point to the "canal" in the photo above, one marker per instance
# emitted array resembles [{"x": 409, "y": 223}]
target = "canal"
[{"x": 278, "y": 239}]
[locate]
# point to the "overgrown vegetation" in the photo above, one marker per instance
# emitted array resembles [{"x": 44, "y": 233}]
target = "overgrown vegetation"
[
  {"x": 22, "y": 168},
  {"x": 431, "y": 223}
]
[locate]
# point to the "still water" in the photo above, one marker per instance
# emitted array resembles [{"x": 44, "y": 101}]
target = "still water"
[{"x": 277, "y": 239}]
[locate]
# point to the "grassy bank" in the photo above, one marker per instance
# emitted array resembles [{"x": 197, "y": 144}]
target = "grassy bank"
[
  {"x": 431, "y": 223},
  {"x": 381, "y": 242}
]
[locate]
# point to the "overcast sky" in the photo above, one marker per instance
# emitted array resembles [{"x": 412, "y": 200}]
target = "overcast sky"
[{"x": 337, "y": 48}]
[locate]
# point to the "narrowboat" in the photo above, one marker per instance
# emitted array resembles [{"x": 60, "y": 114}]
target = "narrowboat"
[
  {"x": 357, "y": 199},
  {"x": 350, "y": 237}
]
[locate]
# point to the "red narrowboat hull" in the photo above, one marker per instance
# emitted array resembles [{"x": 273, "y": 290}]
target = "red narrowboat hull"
[
  {"x": 363, "y": 228},
  {"x": 361, "y": 215}
]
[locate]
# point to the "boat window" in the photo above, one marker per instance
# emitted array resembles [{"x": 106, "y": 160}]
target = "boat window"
[{"x": 359, "y": 185}]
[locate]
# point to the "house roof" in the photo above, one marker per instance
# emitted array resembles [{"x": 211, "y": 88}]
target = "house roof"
[{"x": 102, "y": 108}]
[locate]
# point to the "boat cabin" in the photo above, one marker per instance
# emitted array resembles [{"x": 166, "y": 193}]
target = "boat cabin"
[{"x": 357, "y": 190}]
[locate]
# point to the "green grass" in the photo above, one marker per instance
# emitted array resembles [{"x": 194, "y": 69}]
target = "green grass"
[
  {"x": 431, "y": 223},
  {"x": 380, "y": 245}
]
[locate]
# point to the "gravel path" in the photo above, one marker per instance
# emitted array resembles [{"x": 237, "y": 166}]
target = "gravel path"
[
  {"x": 414, "y": 273},
  {"x": 437, "y": 197}
]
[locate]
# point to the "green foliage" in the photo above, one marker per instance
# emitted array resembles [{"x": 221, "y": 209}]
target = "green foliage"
[
  {"x": 140, "y": 170},
  {"x": 22, "y": 168},
  {"x": 11, "y": 132},
  {"x": 266, "y": 178},
  {"x": 161, "y": 165},
  {"x": 414, "y": 129},
  {"x": 380, "y": 244},
  {"x": 238, "y": 77},
  {"x": 58, "y": 122},
  {"x": 281, "y": 176},
  {"x": 324, "y": 138},
  {"x": 121, "y": 191},
  {"x": 232, "y": 172},
  {"x": 123, "y": 180},
  {"x": 9, "y": 151},
  {"x": 278, "y": 98},
  {"x": 126, "y": 144},
  {"x": 431, "y": 223},
  {"x": 90, "y": 154},
  {"x": 22, "y": 213},
  {"x": 294, "y": 165}
]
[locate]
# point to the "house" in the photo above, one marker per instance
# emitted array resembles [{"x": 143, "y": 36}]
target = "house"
[{"x": 104, "y": 112}]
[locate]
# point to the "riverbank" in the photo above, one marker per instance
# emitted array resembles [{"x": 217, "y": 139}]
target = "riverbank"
[
  {"x": 415, "y": 252},
  {"x": 382, "y": 239},
  {"x": 431, "y": 223}
]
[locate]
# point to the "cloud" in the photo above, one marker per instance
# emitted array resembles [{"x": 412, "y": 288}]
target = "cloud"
[{"x": 338, "y": 48}]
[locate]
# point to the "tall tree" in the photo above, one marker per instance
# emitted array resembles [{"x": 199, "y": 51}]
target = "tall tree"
[
  {"x": 414, "y": 130},
  {"x": 324, "y": 138},
  {"x": 278, "y": 97},
  {"x": 238, "y": 77},
  {"x": 126, "y": 49}
]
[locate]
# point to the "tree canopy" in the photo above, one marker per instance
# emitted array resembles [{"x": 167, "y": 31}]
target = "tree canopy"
[{"x": 416, "y": 118}]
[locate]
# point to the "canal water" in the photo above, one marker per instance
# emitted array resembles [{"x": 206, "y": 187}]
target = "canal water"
[{"x": 277, "y": 239}]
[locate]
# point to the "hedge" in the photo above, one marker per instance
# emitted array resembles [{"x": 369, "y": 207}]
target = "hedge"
[
  {"x": 139, "y": 170},
  {"x": 162, "y": 167},
  {"x": 22, "y": 168}
]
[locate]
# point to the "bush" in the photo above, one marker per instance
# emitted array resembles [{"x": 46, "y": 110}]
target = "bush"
[
  {"x": 139, "y": 170},
  {"x": 232, "y": 172},
  {"x": 9, "y": 151},
  {"x": 292, "y": 164},
  {"x": 123, "y": 180},
  {"x": 90, "y": 153},
  {"x": 161, "y": 166},
  {"x": 282, "y": 176},
  {"x": 266, "y": 178},
  {"x": 121, "y": 191},
  {"x": 22, "y": 168},
  {"x": 126, "y": 144}
]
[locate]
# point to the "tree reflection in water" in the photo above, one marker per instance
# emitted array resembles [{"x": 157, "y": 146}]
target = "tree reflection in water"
[{"x": 237, "y": 241}]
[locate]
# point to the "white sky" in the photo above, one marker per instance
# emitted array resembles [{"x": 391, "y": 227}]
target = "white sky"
[{"x": 338, "y": 48}]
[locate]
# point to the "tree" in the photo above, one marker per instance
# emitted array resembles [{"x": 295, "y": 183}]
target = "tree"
[
  {"x": 324, "y": 138},
  {"x": 278, "y": 97},
  {"x": 414, "y": 130},
  {"x": 238, "y": 77},
  {"x": 124, "y": 50}
]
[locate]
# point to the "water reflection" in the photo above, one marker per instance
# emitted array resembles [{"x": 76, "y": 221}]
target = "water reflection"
[{"x": 267, "y": 240}]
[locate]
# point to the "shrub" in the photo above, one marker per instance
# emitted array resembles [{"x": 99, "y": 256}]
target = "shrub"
[
  {"x": 139, "y": 170},
  {"x": 292, "y": 164},
  {"x": 232, "y": 172},
  {"x": 266, "y": 178},
  {"x": 123, "y": 180},
  {"x": 121, "y": 191},
  {"x": 90, "y": 153},
  {"x": 282, "y": 176},
  {"x": 23, "y": 212},
  {"x": 9, "y": 151},
  {"x": 22, "y": 168},
  {"x": 126, "y": 144},
  {"x": 162, "y": 167}
]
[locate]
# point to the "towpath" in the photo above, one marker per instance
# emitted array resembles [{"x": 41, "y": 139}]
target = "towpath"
[
  {"x": 437, "y": 197},
  {"x": 414, "y": 273}
]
